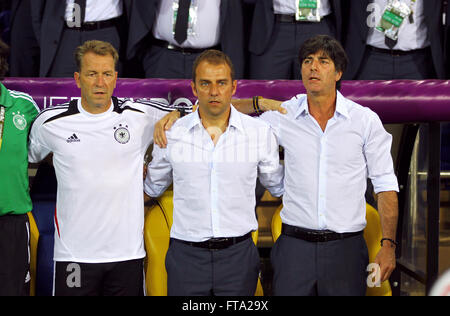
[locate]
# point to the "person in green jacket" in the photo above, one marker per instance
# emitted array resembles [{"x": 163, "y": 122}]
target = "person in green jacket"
[{"x": 17, "y": 112}]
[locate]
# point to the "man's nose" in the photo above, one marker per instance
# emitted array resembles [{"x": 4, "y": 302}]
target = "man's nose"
[
  {"x": 214, "y": 90},
  {"x": 100, "y": 81}
]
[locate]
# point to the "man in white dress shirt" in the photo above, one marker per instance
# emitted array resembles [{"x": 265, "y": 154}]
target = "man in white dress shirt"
[
  {"x": 331, "y": 146},
  {"x": 214, "y": 157}
]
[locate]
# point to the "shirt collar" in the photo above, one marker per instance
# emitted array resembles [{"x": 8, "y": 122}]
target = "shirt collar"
[
  {"x": 4, "y": 96},
  {"x": 341, "y": 106},
  {"x": 235, "y": 119}
]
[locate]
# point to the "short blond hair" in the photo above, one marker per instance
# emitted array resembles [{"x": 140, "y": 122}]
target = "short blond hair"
[{"x": 97, "y": 47}]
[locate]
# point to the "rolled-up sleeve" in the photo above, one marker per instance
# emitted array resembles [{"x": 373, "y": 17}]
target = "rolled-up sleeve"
[
  {"x": 159, "y": 173},
  {"x": 377, "y": 150},
  {"x": 270, "y": 171}
]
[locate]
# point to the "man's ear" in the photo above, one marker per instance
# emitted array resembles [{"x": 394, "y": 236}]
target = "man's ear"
[
  {"x": 234, "y": 86},
  {"x": 76, "y": 76},
  {"x": 194, "y": 90},
  {"x": 338, "y": 75}
]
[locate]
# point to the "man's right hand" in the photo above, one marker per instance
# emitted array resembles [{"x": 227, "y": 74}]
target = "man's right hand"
[{"x": 163, "y": 125}]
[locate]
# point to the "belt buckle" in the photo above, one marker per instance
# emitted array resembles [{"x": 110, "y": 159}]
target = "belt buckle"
[{"x": 213, "y": 243}]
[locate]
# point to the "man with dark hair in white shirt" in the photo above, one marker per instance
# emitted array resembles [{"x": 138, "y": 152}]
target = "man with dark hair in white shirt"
[
  {"x": 331, "y": 146},
  {"x": 214, "y": 157}
]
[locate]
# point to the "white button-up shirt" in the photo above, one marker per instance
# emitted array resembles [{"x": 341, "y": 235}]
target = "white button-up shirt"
[
  {"x": 326, "y": 171},
  {"x": 214, "y": 186},
  {"x": 205, "y": 30},
  {"x": 289, "y": 7},
  {"x": 411, "y": 36},
  {"x": 96, "y": 10}
]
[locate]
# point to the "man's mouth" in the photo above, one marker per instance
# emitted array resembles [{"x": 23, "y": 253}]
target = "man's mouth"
[{"x": 313, "y": 78}]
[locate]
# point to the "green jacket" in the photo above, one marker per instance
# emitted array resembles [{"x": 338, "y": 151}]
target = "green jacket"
[{"x": 19, "y": 111}]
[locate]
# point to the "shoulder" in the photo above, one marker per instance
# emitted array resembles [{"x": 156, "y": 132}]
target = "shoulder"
[
  {"x": 292, "y": 106},
  {"x": 24, "y": 100},
  {"x": 252, "y": 122},
  {"x": 52, "y": 113},
  {"x": 359, "y": 111},
  {"x": 149, "y": 105}
]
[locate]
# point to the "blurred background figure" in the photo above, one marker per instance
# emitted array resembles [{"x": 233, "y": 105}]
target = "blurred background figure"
[
  {"x": 167, "y": 35},
  {"x": 62, "y": 25},
  {"x": 279, "y": 29}
]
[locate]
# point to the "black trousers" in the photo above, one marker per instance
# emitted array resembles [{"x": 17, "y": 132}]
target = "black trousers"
[
  {"x": 381, "y": 66},
  {"x": 14, "y": 255},
  {"x": 333, "y": 268},
  {"x": 124, "y": 278},
  {"x": 159, "y": 62},
  {"x": 193, "y": 271},
  {"x": 280, "y": 60}
]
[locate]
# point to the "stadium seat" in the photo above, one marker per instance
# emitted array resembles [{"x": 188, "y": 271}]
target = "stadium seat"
[
  {"x": 34, "y": 237},
  {"x": 158, "y": 221},
  {"x": 372, "y": 235},
  {"x": 43, "y": 195}
]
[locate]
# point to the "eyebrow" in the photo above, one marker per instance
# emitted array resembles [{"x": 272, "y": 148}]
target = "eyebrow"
[
  {"x": 218, "y": 80},
  {"x": 321, "y": 57}
]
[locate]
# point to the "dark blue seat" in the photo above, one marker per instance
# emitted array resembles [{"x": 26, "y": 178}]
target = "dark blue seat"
[{"x": 43, "y": 195}]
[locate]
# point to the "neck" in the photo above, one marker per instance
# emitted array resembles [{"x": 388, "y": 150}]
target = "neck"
[
  {"x": 221, "y": 121},
  {"x": 322, "y": 105},
  {"x": 95, "y": 109}
]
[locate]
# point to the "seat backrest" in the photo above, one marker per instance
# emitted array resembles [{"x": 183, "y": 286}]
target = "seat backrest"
[
  {"x": 372, "y": 236},
  {"x": 34, "y": 237},
  {"x": 158, "y": 221}
]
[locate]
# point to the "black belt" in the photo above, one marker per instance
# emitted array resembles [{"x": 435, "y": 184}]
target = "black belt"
[
  {"x": 394, "y": 52},
  {"x": 315, "y": 235},
  {"x": 186, "y": 50},
  {"x": 217, "y": 243},
  {"x": 288, "y": 18},
  {"x": 92, "y": 26}
]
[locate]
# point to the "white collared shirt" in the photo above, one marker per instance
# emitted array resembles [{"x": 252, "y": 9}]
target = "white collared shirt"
[
  {"x": 214, "y": 186},
  {"x": 326, "y": 171},
  {"x": 96, "y": 10},
  {"x": 206, "y": 29},
  {"x": 411, "y": 36},
  {"x": 289, "y": 7}
]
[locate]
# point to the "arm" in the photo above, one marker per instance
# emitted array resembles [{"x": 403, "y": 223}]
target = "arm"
[
  {"x": 159, "y": 173},
  {"x": 37, "y": 150},
  {"x": 270, "y": 171},
  {"x": 163, "y": 125},
  {"x": 388, "y": 209},
  {"x": 246, "y": 106},
  {"x": 377, "y": 151}
]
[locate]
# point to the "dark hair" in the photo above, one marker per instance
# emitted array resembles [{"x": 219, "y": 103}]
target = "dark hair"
[
  {"x": 97, "y": 47},
  {"x": 215, "y": 57},
  {"x": 4, "y": 53},
  {"x": 330, "y": 46}
]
